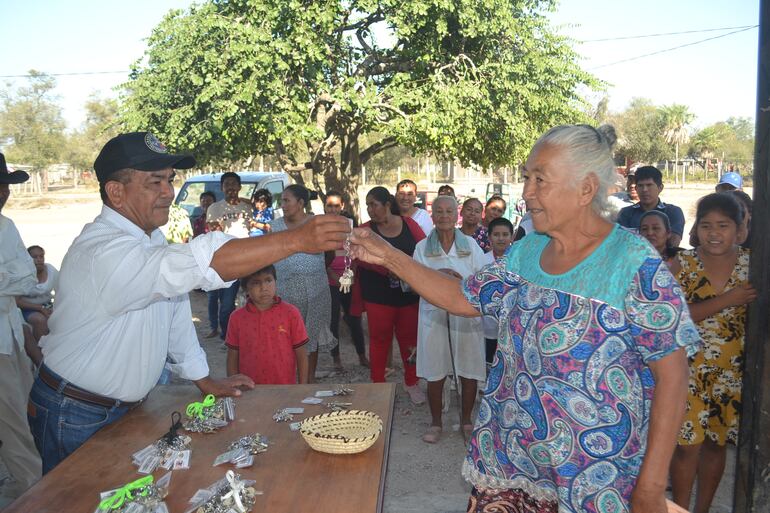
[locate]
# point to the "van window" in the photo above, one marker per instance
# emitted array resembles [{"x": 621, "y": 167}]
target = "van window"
[
  {"x": 189, "y": 198},
  {"x": 276, "y": 188}
]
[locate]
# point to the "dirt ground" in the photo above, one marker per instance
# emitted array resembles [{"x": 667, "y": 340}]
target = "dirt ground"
[{"x": 421, "y": 478}]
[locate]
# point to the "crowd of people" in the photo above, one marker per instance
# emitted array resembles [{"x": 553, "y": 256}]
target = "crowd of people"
[{"x": 606, "y": 357}]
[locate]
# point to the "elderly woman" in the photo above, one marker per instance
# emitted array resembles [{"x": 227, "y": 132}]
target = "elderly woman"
[
  {"x": 302, "y": 279},
  {"x": 655, "y": 226},
  {"x": 587, "y": 392},
  {"x": 447, "y": 250}
]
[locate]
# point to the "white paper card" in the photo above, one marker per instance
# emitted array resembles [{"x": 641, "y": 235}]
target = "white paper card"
[
  {"x": 324, "y": 393},
  {"x": 312, "y": 400},
  {"x": 294, "y": 411}
]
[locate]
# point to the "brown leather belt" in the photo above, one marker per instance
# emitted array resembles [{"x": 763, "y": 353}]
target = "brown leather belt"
[{"x": 74, "y": 392}]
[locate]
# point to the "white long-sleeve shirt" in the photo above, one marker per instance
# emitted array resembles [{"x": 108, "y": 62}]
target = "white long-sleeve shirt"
[
  {"x": 17, "y": 278},
  {"x": 122, "y": 307}
]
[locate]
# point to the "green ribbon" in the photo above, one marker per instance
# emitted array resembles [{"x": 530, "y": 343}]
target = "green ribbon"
[
  {"x": 196, "y": 408},
  {"x": 124, "y": 492}
]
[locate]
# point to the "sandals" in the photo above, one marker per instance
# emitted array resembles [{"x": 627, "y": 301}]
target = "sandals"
[{"x": 432, "y": 435}]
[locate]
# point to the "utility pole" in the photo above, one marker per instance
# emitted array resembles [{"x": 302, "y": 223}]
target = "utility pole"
[{"x": 752, "y": 472}]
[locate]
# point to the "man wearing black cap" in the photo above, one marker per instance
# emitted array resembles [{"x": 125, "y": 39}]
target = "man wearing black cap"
[
  {"x": 122, "y": 304},
  {"x": 17, "y": 277}
]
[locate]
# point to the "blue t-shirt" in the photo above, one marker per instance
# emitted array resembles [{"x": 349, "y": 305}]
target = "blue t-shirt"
[
  {"x": 261, "y": 216},
  {"x": 631, "y": 216}
]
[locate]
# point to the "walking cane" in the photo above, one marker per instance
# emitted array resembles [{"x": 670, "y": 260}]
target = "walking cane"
[{"x": 454, "y": 375}]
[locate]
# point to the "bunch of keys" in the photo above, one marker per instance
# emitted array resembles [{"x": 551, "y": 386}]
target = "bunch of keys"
[
  {"x": 343, "y": 391},
  {"x": 346, "y": 280},
  {"x": 170, "y": 450},
  {"x": 283, "y": 416},
  {"x": 337, "y": 406},
  {"x": 140, "y": 496},
  {"x": 229, "y": 495}
]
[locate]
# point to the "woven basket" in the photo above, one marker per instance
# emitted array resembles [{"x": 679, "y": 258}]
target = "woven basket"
[{"x": 342, "y": 432}]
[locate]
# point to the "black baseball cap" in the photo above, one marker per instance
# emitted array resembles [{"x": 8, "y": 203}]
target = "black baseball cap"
[{"x": 137, "y": 150}]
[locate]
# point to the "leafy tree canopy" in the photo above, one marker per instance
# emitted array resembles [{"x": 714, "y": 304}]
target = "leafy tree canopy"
[
  {"x": 641, "y": 130},
  {"x": 31, "y": 122},
  {"x": 476, "y": 80}
]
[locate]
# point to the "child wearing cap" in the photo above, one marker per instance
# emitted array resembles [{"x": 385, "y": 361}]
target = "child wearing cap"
[{"x": 266, "y": 338}]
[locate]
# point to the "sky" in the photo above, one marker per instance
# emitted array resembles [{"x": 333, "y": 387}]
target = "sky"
[{"x": 716, "y": 79}]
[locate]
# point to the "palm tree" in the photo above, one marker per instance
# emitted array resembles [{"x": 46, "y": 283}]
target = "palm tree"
[{"x": 676, "y": 131}]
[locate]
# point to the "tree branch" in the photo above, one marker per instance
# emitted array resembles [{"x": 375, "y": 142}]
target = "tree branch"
[{"x": 374, "y": 149}]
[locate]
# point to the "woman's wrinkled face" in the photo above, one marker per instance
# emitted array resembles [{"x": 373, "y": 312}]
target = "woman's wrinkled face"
[
  {"x": 549, "y": 190},
  {"x": 444, "y": 214},
  {"x": 471, "y": 213},
  {"x": 654, "y": 230},
  {"x": 378, "y": 212}
]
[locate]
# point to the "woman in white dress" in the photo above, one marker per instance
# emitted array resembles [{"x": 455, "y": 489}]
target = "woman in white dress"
[{"x": 448, "y": 250}]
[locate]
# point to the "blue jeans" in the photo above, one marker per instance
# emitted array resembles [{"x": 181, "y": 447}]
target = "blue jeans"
[
  {"x": 61, "y": 424},
  {"x": 213, "y": 297},
  {"x": 227, "y": 305}
]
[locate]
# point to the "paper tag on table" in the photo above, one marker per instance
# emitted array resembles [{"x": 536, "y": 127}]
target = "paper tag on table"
[
  {"x": 247, "y": 462},
  {"x": 139, "y": 456},
  {"x": 294, "y": 411},
  {"x": 134, "y": 507},
  {"x": 201, "y": 496},
  {"x": 149, "y": 465},
  {"x": 294, "y": 426},
  {"x": 225, "y": 457},
  {"x": 182, "y": 460},
  {"x": 160, "y": 508},
  {"x": 108, "y": 493},
  {"x": 168, "y": 459},
  {"x": 324, "y": 393},
  {"x": 312, "y": 400}
]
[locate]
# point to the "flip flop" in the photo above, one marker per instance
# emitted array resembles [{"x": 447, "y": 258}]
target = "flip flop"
[{"x": 432, "y": 435}]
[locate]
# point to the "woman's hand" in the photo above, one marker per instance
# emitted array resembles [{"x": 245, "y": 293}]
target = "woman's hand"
[
  {"x": 367, "y": 246},
  {"x": 742, "y": 294}
]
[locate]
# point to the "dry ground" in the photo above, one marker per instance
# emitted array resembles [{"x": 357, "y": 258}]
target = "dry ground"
[{"x": 421, "y": 478}]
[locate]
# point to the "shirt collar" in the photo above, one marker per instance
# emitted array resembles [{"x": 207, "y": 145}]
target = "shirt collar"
[
  {"x": 659, "y": 206},
  {"x": 117, "y": 220},
  {"x": 251, "y": 307}
]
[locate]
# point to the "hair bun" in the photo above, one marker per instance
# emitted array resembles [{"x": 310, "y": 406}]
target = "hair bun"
[{"x": 608, "y": 134}]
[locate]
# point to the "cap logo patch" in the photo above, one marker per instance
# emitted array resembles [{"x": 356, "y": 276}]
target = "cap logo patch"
[{"x": 154, "y": 144}]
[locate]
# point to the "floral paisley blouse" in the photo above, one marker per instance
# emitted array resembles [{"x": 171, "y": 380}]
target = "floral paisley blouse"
[{"x": 566, "y": 409}]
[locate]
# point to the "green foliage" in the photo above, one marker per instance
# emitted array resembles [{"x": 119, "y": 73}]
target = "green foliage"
[
  {"x": 640, "y": 132},
  {"x": 31, "y": 122},
  {"x": 677, "y": 117},
  {"x": 731, "y": 140},
  {"x": 476, "y": 80},
  {"x": 101, "y": 125}
]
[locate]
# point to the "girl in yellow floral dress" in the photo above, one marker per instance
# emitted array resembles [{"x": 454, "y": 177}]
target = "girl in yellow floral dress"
[{"x": 714, "y": 278}]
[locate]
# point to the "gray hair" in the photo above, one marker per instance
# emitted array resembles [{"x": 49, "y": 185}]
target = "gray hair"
[
  {"x": 589, "y": 149},
  {"x": 444, "y": 197}
]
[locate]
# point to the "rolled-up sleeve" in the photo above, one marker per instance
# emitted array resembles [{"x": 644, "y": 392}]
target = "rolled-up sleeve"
[
  {"x": 203, "y": 249},
  {"x": 130, "y": 276},
  {"x": 188, "y": 359}
]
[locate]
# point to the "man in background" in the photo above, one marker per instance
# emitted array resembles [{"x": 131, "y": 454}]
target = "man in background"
[
  {"x": 406, "y": 196},
  {"x": 17, "y": 278}
]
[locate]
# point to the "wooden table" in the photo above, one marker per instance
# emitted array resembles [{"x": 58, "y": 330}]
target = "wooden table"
[{"x": 293, "y": 477}]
